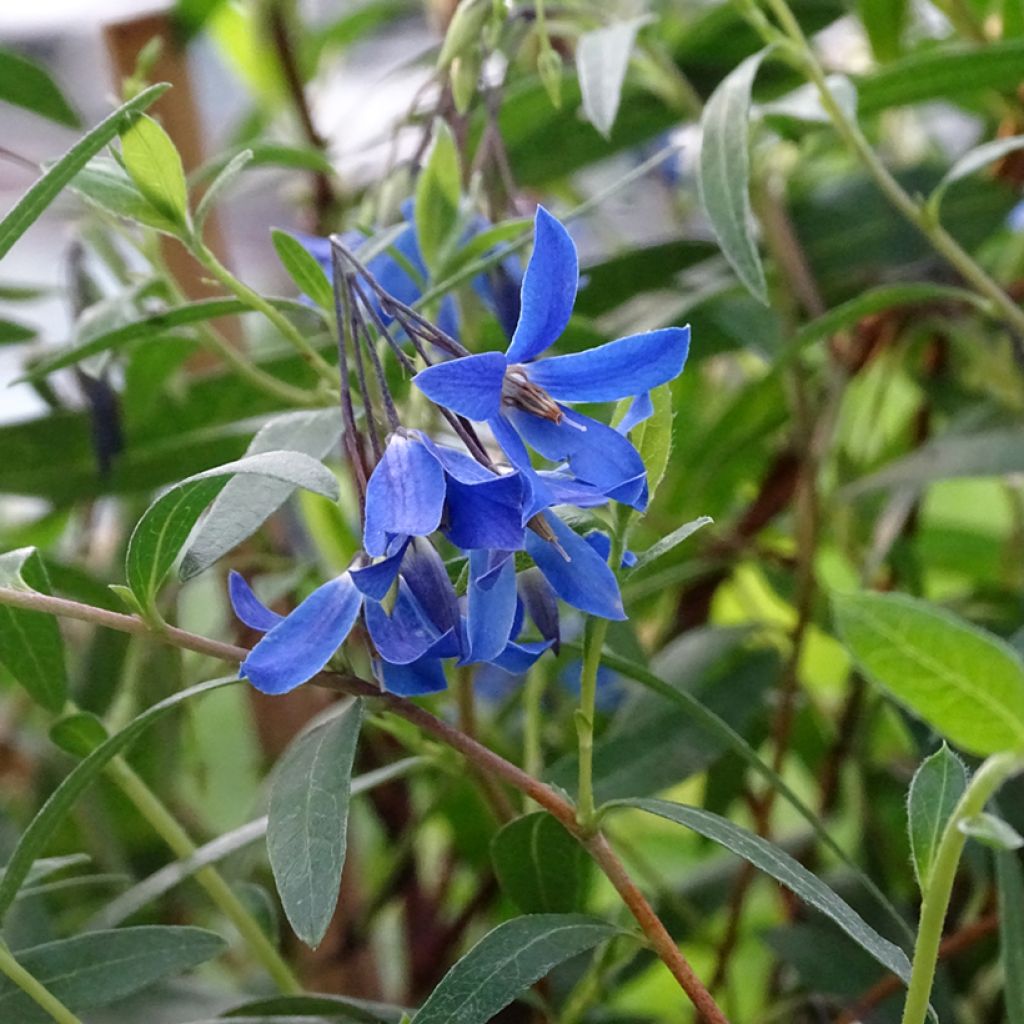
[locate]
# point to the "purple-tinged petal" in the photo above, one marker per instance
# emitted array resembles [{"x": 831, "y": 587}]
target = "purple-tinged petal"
[
  {"x": 426, "y": 675},
  {"x": 403, "y": 635},
  {"x": 596, "y": 454},
  {"x": 602, "y": 544},
  {"x": 470, "y": 385},
  {"x": 248, "y": 607},
  {"x": 633, "y": 492},
  {"x": 405, "y": 495},
  {"x": 616, "y": 370},
  {"x": 428, "y": 580},
  {"x": 301, "y": 644},
  {"x": 541, "y": 604},
  {"x": 457, "y": 464},
  {"x": 640, "y": 409},
  {"x": 567, "y": 490},
  {"x": 492, "y": 603},
  {"x": 374, "y": 581},
  {"x": 576, "y": 572},
  {"x": 536, "y": 495},
  {"x": 488, "y": 514},
  {"x": 518, "y": 658},
  {"x": 549, "y": 289}
]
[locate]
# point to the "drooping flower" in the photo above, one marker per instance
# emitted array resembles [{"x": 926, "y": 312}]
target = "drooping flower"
[{"x": 523, "y": 397}]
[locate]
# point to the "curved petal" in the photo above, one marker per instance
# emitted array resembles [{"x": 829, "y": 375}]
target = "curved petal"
[
  {"x": 428, "y": 580},
  {"x": 488, "y": 514},
  {"x": 602, "y": 544},
  {"x": 404, "y": 635},
  {"x": 248, "y": 607},
  {"x": 405, "y": 495},
  {"x": 565, "y": 489},
  {"x": 541, "y": 604},
  {"x": 518, "y": 658},
  {"x": 640, "y": 409},
  {"x": 492, "y": 603},
  {"x": 470, "y": 385},
  {"x": 616, "y": 370},
  {"x": 301, "y": 644},
  {"x": 549, "y": 289},
  {"x": 456, "y": 463},
  {"x": 536, "y": 495},
  {"x": 596, "y": 453},
  {"x": 577, "y": 573},
  {"x": 374, "y": 581},
  {"x": 426, "y": 675}
]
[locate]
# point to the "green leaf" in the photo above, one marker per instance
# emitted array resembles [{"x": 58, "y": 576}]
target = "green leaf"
[
  {"x": 14, "y": 333},
  {"x": 885, "y": 22},
  {"x": 334, "y": 1008},
  {"x": 438, "y": 190},
  {"x": 50, "y": 816},
  {"x": 991, "y": 830},
  {"x": 963, "y": 681},
  {"x": 25, "y": 84},
  {"x": 724, "y": 174},
  {"x": 1011, "y": 933},
  {"x": 653, "y": 437},
  {"x": 671, "y": 541},
  {"x": 602, "y": 58},
  {"x": 30, "y": 642},
  {"x": 100, "y": 968},
  {"x": 505, "y": 962},
  {"x": 225, "y": 177},
  {"x": 541, "y": 868},
  {"x": 303, "y": 268},
  {"x": 971, "y": 162},
  {"x": 46, "y": 189},
  {"x": 166, "y": 524},
  {"x": 154, "y": 164},
  {"x": 937, "y": 785},
  {"x": 79, "y": 733},
  {"x": 783, "y": 868},
  {"x": 247, "y": 501},
  {"x": 264, "y": 154},
  {"x": 104, "y": 184},
  {"x": 308, "y": 821}
]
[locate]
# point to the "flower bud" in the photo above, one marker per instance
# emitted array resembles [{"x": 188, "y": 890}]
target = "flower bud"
[
  {"x": 549, "y": 67},
  {"x": 465, "y": 72},
  {"x": 464, "y": 30}
]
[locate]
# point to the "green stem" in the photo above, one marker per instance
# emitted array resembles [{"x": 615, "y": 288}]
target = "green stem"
[
  {"x": 170, "y": 830},
  {"x": 939, "y": 885},
  {"x": 533, "y": 695},
  {"x": 34, "y": 989},
  {"x": 259, "y": 304},
  {"x": 917, "y": 213}
]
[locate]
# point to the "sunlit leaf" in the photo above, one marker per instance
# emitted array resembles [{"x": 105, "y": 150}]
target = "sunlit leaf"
[{"x": 937, "y": 785}]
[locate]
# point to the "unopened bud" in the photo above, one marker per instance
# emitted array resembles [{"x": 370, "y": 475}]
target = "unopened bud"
[
  {"x": 464, "y": 30},
  {"x": 549, "y": 67},
  {"x": 465, "y": 71}
]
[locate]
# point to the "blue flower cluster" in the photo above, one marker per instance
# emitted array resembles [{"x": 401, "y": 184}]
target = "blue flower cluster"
[{"x": 500, "y": 517}]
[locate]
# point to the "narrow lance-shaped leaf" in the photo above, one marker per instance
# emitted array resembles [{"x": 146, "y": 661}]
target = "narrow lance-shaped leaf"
[
  {"x": 653, "y": 437},
  {"x": 972, "y": 162},
  {"x": 99, "y": 968},
  {"x": 965, "y": 682},
  {"x": 46, "y": 189},
  {"x": 937, "y": 785},
  {"x": 541, "y": 868},
  {"x": 166, "y": 524},
  {"x": 308, "y": 822},
  {"x": 104, "y": 184},
  {"x": 767, "y": 857},
  {"x": 153, "y": 163},
  {"x": 1011, "y": 933},
  {"x": 303, "y": 269},
  {"x": 26, "y": 84},
  {"x": 724, "y": 177},
  {"x": 31, "y": 647},
  {"x": 673, "y": 540},
  {"x": 438, "y": 189},
  {"x": 299, "y": 1010},
  {"x": 49, "y": 817},
  {"x": 991, "y": 830},
  {"x": 231, "y": 170},
  {"x": 602, "y": 58},
  {"x": 505, "y": 962}
]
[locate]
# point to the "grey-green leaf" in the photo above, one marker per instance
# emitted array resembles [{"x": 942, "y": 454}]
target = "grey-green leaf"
[
  {"x": 45, "y": 190},
  {"x": 33, "y": 840},
  {"x": 971, "y": 162},
  {"x": 1011, "y": 933},
  {"x": 768, "y": 858},
  {"x": 104, "y": 184},
  {"x": 724, "y": 174},
  {"x": 25, "y": 84},
  {"x": 303, "y": 268},
  {"x": 30, "y": 642},
  {"x": 166, "y": 524},
  {"x": 965, "y": 682},
  {"x": 541, "y": 868},
  {"x": 937, "y": 785},
  {"x": 672, "y": 540},
  {"x": 308, "y": 821},
  {"x": 991, "y": 830},
  {"x": 224, "y": 179},
  {"x": 247, "y": 501},
  {"x": 602, "y": 58},
  {"x": 505, "y": 962},
  {"x": 99, "y": 968},
  {"x": 341, "y": 1009}
]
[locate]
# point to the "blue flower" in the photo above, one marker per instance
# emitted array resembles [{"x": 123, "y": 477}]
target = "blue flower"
[{"x": 522, "y": 397}]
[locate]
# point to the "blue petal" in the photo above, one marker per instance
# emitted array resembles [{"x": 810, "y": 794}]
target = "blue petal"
[
  {"x": 428, "y": 580},
  {"x": 549, "y": 289},
  {"x": 393, "y": 274},
  {"x": 602, "y": 544},
  {"x": 470, "y": 385},
  {"x": 518, "y": 658},
  {"x": 404, "y": 635},
  {"x": 405, "y": 495},
  {"x": 248, "y": 607},
  {"x": 416, "y": 679},
  {"x": 457, "y": 464},
  {"x": 375, "y": 580},
  {"x": 640, "y": 409},
  {"x": 619, "y": 369},
  {"x": 567, "y": 490},
  {"x": 596, "y": 454},
  {"x": 536, "y": 495},
  {"x": 486, "y": 515},
  {"x": 541, "y": 604},
  {"x": 302, "y": 643},
  {"x": 492, "y": 603},
  {"x": 577, "y": 573}
]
